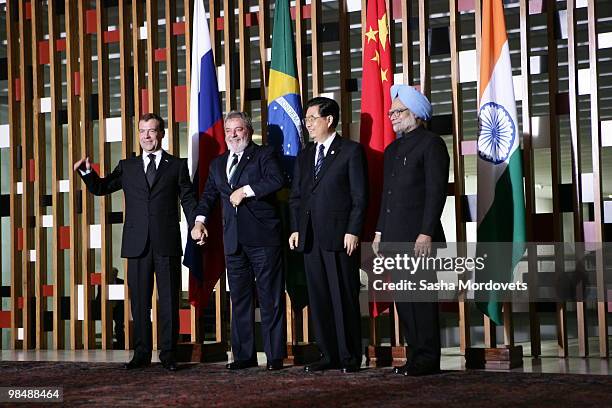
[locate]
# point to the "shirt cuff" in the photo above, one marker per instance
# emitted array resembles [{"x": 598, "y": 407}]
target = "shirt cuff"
[
  {"x": 84, "y": 172},
  {"x": 248, "y": 191},
  {"x": 200, "y": 218},
  {"x": 378, "y": 233}
]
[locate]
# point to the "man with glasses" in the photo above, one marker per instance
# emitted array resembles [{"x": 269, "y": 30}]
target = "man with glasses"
[
  {"x": 245, "y": 179},
  {"x": 328, "y": 202},
  {"x": 414, "y": 192},
  {"x": 152, "y": 185}
]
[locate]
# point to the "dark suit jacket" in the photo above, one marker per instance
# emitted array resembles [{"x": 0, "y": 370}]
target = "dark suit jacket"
[
  {"x": 414, "y": 188},
  {"x": 336, "y": 202},
  {"x": 149, "y": 212},
  {"x": 255, "y": 222}
]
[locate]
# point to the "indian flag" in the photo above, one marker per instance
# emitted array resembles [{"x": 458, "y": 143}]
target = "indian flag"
[{"x": 501, "y": 204}]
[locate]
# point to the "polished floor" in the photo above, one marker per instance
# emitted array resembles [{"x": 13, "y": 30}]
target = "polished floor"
[{"x": 451, "y": 358}]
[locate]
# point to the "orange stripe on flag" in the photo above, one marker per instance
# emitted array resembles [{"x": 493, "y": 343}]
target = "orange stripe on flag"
[{"x": 493, "y": 38}]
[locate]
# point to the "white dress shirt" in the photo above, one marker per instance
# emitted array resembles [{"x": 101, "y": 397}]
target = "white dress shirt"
[
  {"x": 146, "y": 160},
  {"x": 326, "y": 145}
]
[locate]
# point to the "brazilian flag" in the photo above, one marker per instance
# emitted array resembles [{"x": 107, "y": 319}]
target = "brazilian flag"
[{"x": 285, "y": 133}]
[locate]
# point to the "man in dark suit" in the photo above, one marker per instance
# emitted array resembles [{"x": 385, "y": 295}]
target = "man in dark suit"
[
  {"x": 152, "y": 184},
  {"x": 328, "y": 202},
  {"x": 414, "y": 192},
  {"x": 246, "y": 179}
]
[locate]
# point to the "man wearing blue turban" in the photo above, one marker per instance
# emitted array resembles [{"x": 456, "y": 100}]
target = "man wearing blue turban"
[{"x": 414, "y": 193}]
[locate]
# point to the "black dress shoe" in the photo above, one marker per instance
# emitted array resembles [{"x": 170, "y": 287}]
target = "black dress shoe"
[
  {"x": 422, "y": 368},
  {"x": 319, "y": 366},
  {"x": 170, "y": 365},
  {"x": 241, "y": 364},
  {"x": 350, "y": 368},
  {"x": 273, "y": 365},
  {"x": 137, "y": 362},
  {"x": 401, "y": 369}
]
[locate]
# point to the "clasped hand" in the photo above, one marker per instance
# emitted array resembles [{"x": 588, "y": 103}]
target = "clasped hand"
[{"x": 199, "y": 233}]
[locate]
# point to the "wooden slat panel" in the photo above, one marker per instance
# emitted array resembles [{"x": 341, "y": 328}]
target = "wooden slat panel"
[
  {"x": 300, "y": 44},
  {"x": 528, "y": 171},
  {"x": 407, "y": 57},
  {"x": 139, "y": 64},
  {"x": 458, "y": 165},
  {"x": 188, "y": 6},
  {"x": 244, "y": 66},
  {"x": 87, "y": 147},
  {"x": 264, "y": 39},
  {"x": 171, "y": 77},
  {"x": 27, "y": 194},
  {"x": 574, "y": 117},
  {"x": 555, "y": 159},
  {"x": 424, "y": 67},
  {"x": 213, "y": 10},
  {"x": 74, "y": 154},
  {"x": 602, "y": 317},
  {"x": 345, "y": 69},
  {"x": 13, "y": 68},
  {"x": 152, "y": 67},
  {"x": 228, "y": 52},
  {"x": 317, "y": 53},
  {"x": 103, "y": 148},
  {"x": 127, "y": 126},
  {"x": 153, "y": 106},
  {"x": 57, "y": 164},
  {"x": 38, "y": 120}
]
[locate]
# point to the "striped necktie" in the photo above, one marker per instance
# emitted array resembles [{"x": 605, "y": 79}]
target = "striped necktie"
[
  {"x": 232, "y": 170},
  {"x": 319, "y": 162}
]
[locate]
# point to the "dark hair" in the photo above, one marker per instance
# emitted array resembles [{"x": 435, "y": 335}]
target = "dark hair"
[
  {"x": 161, "y": 125},
  {"x": 327, "y": 107},
  {"x": 240, "y": 115}
]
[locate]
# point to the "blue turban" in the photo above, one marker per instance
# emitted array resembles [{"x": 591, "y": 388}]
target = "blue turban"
[{"x": 413, "y": 100}]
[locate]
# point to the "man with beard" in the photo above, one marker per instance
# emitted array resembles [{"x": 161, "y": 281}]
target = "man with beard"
[
  {"x": 246, "y": 179},
  {"x": 414, "y": 192}
]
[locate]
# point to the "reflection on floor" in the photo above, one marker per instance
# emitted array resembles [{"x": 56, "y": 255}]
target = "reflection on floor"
[{"x": 451, "y": 358}]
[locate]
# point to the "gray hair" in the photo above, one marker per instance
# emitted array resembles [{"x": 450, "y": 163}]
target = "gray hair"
[{"x": 240, "y": 115}]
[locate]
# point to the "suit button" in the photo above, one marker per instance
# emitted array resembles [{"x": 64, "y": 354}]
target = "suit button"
[
  {"x": 392, "y": 174},
  {"x": 389, "y": 192},
  {"x": 308, "y": 212},
  {"x": 388, "y": 211}
]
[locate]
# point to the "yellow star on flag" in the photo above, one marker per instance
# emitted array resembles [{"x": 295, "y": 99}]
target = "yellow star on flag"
[
  {"x": 376, "y": 57},
  {"x": 383, "y": 74},
  {"x": 371, "y": 34},
  {"x": 383, "y": 30}
]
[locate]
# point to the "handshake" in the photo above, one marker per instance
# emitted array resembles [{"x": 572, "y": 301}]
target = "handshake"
[{"x": 199, "y": 233}]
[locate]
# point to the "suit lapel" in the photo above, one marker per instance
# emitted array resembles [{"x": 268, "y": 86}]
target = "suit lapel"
[
  {"x": 138, "y": 163},
  {"x": 221, "y": 164},
  {"x": 244, "y": 160},
  {"x": 332, "y": 153}
]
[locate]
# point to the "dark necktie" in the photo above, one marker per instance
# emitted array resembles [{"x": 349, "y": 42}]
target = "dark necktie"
[
  {"x": 151, "y": 170},
  {"x": 319, "y": 162},
  {"x": 232, "y": 170}
]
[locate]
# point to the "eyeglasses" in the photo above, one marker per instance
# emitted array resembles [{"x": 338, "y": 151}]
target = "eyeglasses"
[
  {"x": 395, "y": 112},
  {"x": 143, "y": 132},
  {"x": 310, "y": 119}
]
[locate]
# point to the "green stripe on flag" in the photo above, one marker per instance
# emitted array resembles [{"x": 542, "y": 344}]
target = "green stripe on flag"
[
  {"x": 504, "y": 222},
  {"x": 283, "y": 52}
]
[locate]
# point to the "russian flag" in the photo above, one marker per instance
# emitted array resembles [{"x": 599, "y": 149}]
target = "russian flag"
[{"x": 206, "y": 141}]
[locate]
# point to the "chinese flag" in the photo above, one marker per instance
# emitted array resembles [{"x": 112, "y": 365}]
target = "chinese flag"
[{"x": 376, "y": 131}]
